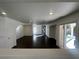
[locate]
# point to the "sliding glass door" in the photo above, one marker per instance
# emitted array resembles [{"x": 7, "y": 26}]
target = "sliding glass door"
[{"x": 69, "y": 36}]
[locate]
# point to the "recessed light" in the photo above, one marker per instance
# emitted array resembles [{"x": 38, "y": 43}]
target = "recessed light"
[
  {"x": 4, "y": 13},
  {"x": 51, "y": 13}
]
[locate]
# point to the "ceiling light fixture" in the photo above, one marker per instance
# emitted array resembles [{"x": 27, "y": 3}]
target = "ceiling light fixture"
[
  {"x": 51, "y": 13},
  {"x": 4, "y": 13}
]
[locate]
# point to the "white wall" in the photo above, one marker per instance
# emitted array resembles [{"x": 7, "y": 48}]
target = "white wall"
[
  {"x": 47, "y": 30},
  {"x": 61, "y": 36},
  {"x": 19, "y": 31},
  {"x": 11, "y": 26},
  {"x": 8, "y": 32},
  {"x": 68, "y": 19},
  {"x": 28, "y": 30},
  {"x": 37, "y": 29},
  {"x": 3, "y": 40}
]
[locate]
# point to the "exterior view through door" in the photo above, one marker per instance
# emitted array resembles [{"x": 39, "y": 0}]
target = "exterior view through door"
[{"x": 69, "y": 35}]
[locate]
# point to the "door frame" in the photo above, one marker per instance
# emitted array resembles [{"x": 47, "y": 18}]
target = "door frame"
[{"x": 64, "y": 32}]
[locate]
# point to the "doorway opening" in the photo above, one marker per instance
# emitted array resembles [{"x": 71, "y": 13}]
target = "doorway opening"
[{"x": 67, "y": 35}]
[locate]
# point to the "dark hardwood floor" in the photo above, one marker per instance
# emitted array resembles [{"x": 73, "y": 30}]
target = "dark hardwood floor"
[{"x": 39, "y": 42}]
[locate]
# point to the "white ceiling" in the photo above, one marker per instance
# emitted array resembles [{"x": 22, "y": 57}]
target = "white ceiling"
[
  {"x": 37, "y": 12},
  {"x": 39, "y": 0}
]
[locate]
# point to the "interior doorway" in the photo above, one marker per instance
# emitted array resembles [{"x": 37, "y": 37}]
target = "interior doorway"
[{"x": 52, "y": 31}]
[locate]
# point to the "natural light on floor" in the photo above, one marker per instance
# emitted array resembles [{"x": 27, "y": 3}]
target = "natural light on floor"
[{"x": 70, "y": 44}]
